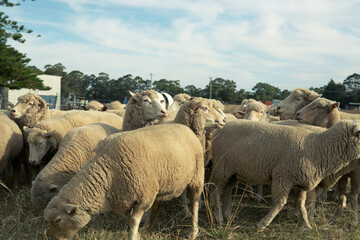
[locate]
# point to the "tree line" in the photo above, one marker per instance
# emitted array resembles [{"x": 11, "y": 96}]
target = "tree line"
[{"x": 16, "y": 73}]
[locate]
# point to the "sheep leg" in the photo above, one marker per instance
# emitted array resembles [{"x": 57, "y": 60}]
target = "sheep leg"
[
  {"x": 259, "y": 191},
  {"x": 279, "y": 192},
  {"x": 354, "y": 195},
  {"x": 341, "y": 188},
  {"x": 194, "y": 197},
  {"x": 185, "y": 203},
  {"x": 218, "y": 210},
  {"x": 134, "y": 221},
  {"x": 151, "y": 216},
  {"x": 227, "y": 201},
  {"x": 304, "y": 217}
]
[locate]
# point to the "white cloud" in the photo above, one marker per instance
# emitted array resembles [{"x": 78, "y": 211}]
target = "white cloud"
[{"x": 287, "y": 44}]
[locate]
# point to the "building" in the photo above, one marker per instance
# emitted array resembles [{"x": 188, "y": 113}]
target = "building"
[{"x": 52, "y": 96}]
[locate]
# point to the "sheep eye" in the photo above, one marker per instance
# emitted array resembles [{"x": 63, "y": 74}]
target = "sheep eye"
[
  {"x": 57, "y": 220},
  {"x": 162, "y": 101},
  {"x": 261, "y": 112},
  {"x": 30, "y": 103},
  {"x": 40, "y": 144}
]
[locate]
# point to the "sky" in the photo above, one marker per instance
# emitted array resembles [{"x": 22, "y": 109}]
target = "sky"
[{"x": 285, "y": 43}]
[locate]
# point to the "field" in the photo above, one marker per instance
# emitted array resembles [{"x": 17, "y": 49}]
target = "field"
[{"x": 18, "y": 221}]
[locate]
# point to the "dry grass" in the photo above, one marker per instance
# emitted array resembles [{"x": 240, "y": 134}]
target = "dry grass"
[{"x": 18, "y": 220}]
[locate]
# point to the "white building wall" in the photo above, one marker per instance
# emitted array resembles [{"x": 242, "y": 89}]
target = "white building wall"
[{"x": 48, "y": 80}]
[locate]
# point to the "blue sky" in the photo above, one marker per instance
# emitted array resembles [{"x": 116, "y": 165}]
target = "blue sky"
[{"x": 288, "y": 44}]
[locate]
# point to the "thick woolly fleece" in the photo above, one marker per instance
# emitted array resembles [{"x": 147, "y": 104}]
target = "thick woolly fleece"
[
  {"x": 283, "y": 156},
  {"x": 11, "y": 141},
  {"x": 76, "y": 149}
]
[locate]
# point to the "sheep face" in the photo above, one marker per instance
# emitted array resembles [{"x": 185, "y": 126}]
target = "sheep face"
[
  {"x": 151, "y": 103},
  {"x": 39, "y": 144},
  {"x": 28, "y": 104},
  {"x": 316, "y": 112},
  {"x": 212, "y": 115},
  {"x": 298, "y": 99},
  {"x": 240, "y": 111},
  {"x": 256, "y": 111},
  {"x": 65, "y": 219},
  {"x": 42, "y": 192}
]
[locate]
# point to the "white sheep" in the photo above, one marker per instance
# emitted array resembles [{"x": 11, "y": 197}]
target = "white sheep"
[
  {"x": 239, "y": 112},
  {"x": 46, "y": 135},
  {"x": 94, "y": 106},
  {"x": 116, "y": 105},
  {"x": 31, "y": 108},
  {"x": 132, "y": 171},
  {"x": 325, "y": 113},
  {"x": 179, "y": 99},
  {"x": 298, "y": 99},
  {"x": 143, "y": 109},
  {"x": 11, "y": 144},
  {"x": 76, "y": 149},
  {"x": 283, "y": 156}
]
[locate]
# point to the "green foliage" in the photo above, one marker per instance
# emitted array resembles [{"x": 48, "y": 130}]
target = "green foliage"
[
  {"x": 336, "y": 92},
  {"x": 171, "y": 87},
  {"x": 14, "y": 72}
]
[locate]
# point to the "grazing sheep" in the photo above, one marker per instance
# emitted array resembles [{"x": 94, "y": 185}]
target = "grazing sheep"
[
  {"x": 31, "y": 108},
  {"x": 239, "y": 112},
  {"x": 46, "y": 135},
  {"x": 297, "y": 99},
  {"x": 76, "y": 149},
  {"x": 282, "y": 156},
  {"x": 143, "y": 109},
  {"x": 94, "y": 106},
  {"x": 132, "y": 171},
  {"x": 11, "y": 144},
  {"x": 116, "y": 105},
  {"x": 325, "y": 113}
]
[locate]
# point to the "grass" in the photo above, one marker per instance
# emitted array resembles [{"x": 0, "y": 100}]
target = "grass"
[{"x": 18, "y": 221}]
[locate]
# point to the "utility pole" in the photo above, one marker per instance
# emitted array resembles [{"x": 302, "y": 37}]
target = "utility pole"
[
  {"x": 210, "y": 84},
  {"x": 151, "y": 75}
]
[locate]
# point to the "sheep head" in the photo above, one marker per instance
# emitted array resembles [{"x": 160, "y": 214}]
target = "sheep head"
[
  {"x": 29, "y": 103},
  {"x": 151, "y": 102},
  {"x": 65, "y": 219},
  {"x": 257, "y": 111},
  {"x": 94, "y": 106},
  {"x": 42, "y": 192},
  {"x": 40, "y": 142},
  {"x": 240, "y": 111},
  {"x": 298, "y": 99}
]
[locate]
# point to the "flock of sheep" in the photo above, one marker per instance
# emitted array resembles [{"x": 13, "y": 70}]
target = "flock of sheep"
[{"x": 131, "y": 159}]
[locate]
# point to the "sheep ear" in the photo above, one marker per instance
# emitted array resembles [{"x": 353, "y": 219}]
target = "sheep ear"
[
  {"x": 53, "y": 188},
  {"x": 49, "y": 134},
  {"x": 334, "y": 105},
  {"x": 70, "y": 209},
  {"x": 314, "y": 96},
  {"x": 132, "y": 94},
  {"x": 26, "y": 129},
  {"x": 195, "y": 105}
]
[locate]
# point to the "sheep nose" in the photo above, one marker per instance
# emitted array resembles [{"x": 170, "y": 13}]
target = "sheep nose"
[
  {"x": 224, "y": 120},
  {"x": 13, "y": 111},
  {"x": 278, "y": 107},
  {"x": 32, "y": 162}
]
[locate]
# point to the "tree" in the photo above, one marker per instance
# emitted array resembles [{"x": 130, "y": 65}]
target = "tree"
[
  {"x": 14, "y": 72},
  {"x": 171, "y": 87},
  {"x": 222, "y": 90},
  {"x": 266, "y": 92},
  {"x": 352, "y": 85},
  {"x": 194, "y": 91},
  {"x": 336, "y": 92}
]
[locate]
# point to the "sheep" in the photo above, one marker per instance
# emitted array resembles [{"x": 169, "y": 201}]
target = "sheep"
[
  {"x": 131, "y": 172},
  {"x": 325, "y": 113},
  {"x": 298, "y": 99},
  {"x": 11, "y": 144},
  {"x": 179, "y": 99},
  {"x": 76, "y": 149},
  {"x": 94, "y": 106},
  {"x": 32, "y": 108},
  {"x": 116, "y": 105},
  {"x": 239, "y": 112},
  {"x": 46, "y": 135},
  {"x": 284, "y": 156},
  {"x": 143, "y": 109}
]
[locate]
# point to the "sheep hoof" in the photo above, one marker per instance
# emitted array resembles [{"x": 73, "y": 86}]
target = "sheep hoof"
[
  {"x": 307, "y": 226},
  {"x": 260, "y": 227}
]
